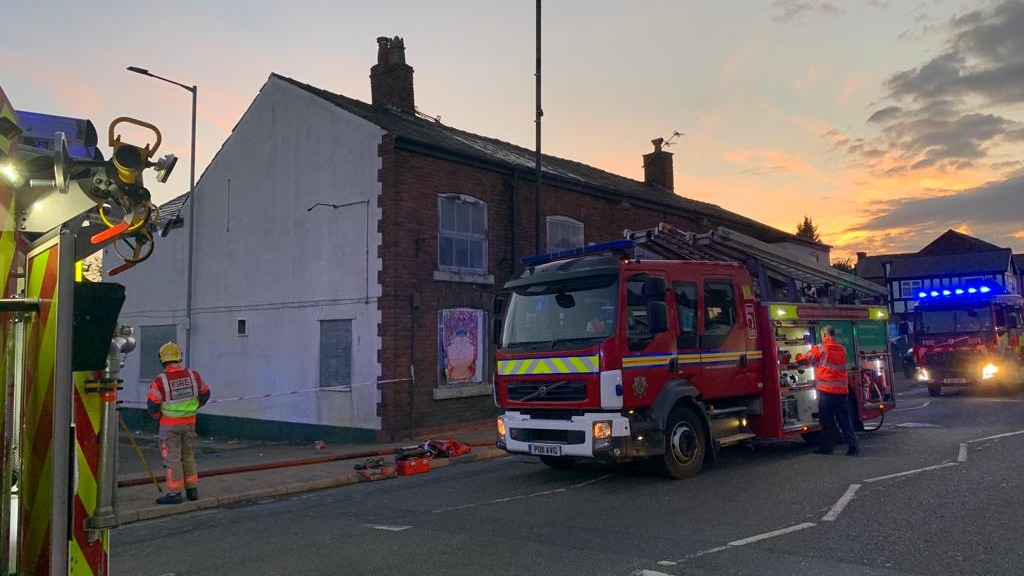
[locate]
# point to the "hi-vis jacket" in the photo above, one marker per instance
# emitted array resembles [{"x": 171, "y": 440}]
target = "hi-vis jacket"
[
  {"x": 830, "y": 371},
  {"x": 176, "y": 395}
]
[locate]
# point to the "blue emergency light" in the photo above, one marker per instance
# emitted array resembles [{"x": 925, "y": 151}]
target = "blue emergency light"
[
  {"x": 614, "y": 245},
  {"x": 956, "y": 292}
]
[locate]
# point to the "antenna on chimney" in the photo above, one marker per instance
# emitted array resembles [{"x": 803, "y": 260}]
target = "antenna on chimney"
[{"x": 675, "y": 134}]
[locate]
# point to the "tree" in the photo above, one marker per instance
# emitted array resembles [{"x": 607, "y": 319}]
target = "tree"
[
  {"x": 808, "y": 230},
  {"x": 844, "y": 265}
]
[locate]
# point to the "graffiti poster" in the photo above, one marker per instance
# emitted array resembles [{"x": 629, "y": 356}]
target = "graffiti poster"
[{"x": 461, "y": 345}]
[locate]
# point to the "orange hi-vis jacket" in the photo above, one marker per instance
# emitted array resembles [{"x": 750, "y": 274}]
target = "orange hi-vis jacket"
[
  {"x": 177, "y": 394},
  {"x": 830, "y": 366}
]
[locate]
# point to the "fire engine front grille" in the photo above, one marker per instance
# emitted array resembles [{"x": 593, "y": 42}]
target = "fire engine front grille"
[
  {"x": 549, "y": 436},
  {"x": 956, "y": 362},
  {"x": 548, "y": 391}
]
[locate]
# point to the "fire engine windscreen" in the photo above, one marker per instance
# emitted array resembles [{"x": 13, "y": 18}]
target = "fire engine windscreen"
[
  {"x": 954, "y": 321},
  {"x": 568, "y": 312}
]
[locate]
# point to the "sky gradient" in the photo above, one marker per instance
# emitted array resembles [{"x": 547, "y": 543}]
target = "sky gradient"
[{"x": 886, "y": 122}]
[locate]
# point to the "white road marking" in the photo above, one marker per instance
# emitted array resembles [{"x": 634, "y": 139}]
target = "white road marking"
[
  {"x": 962, "y": 457},
  {"x": 918, "y": 425},
  {"x": 388, "y": 528},
  {"x": 837, "y": 508},
  {"x": 772, "y": 534},
  {"x": 909, "y": 472},
  {"x": 647, "y": 573},
  {"x": 997, "y": 436},
  {"x": 589, "y": 482},
  {"x": 925, "y": 405},
  {"x": 524, "y": 496}
]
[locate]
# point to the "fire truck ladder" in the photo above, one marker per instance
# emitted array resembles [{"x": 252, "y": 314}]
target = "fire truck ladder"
[{"x": 764, "y": 260}]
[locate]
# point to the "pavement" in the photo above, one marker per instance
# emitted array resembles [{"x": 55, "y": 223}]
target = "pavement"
[{"x": 234, "y": 472}]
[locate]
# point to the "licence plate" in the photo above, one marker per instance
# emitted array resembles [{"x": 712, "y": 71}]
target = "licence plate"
[
  {"x": 954, "y": 380},
  {"x": 545, "y": 449}
]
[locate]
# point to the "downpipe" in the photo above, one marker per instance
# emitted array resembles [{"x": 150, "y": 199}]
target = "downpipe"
[{"x": 105, "y": 514}]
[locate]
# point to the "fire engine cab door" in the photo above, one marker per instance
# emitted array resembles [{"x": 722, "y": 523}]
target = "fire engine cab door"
[
  {"x": 684, "y": 294},
  {"x": 725, "y": 366}
]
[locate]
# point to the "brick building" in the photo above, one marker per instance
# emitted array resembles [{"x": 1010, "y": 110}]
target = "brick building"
[{"x": 347, "y": 254}]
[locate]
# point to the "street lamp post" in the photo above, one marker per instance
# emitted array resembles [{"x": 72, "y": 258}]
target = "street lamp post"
[{"x": 191, "y": 206}]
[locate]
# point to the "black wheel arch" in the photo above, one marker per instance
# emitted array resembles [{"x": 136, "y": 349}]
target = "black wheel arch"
[{"x": 682, "y": 392}]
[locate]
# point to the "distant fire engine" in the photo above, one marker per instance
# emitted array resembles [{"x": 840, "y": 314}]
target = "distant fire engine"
[{"x": 968, "y": 336}]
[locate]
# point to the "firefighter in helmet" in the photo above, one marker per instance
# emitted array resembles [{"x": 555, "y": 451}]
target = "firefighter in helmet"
[{"x": 175, "y": 396}]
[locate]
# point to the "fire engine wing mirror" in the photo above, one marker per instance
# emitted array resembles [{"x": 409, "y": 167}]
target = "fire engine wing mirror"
[
  {"x": 498, "y": 304},
  {"x": 496, "y": 334},
  {"x": 657, "y": 315}
]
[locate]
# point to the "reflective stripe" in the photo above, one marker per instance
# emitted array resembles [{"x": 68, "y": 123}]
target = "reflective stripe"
[
  {"x": 562, "y": 365},
  {"x": 825, "y": 363}
]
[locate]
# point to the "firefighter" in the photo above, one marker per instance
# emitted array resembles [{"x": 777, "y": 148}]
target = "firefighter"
[
  {"x": 175, "y": 396},
  {"x": 829, "y": 358}
]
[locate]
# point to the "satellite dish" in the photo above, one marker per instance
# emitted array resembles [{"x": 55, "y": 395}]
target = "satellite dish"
[{"x": 61, "y": 162}]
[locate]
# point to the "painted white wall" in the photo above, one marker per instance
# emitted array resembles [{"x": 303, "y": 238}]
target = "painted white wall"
[{"x": 259, "y": 253}]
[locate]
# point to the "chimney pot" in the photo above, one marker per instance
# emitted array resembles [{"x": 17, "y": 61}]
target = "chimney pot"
[
  {"x": 391, "y": 83},
  {"x": 861, "y": 256},
  {"x": 658, "y": 166}
]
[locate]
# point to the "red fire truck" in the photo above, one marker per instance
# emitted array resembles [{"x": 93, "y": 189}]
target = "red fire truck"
[
  {"x": 968, "y": 336},
  {"x": 670, "y": 345}
]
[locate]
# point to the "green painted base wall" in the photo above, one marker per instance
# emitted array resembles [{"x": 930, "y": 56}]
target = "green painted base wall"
[{"x": 252, "y": 429}]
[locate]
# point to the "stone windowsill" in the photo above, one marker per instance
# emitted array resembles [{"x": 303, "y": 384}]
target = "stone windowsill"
[
  {"x": 462, "y": 391},
  {"x": 465, "y": 277}
]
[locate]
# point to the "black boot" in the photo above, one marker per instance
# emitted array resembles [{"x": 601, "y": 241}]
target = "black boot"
[
  {"x": 192, "y": 493},
  {"x": 170, "y": 498}
]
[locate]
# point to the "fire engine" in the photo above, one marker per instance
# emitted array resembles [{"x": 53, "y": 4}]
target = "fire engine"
[
  {"x": 61, "y": 201},
  {"x": 669, "y": 345},
  {"x": 968, "y": 336}
]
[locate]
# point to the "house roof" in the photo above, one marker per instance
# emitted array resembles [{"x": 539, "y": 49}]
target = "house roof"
[
  {"x": 953, "y": 242},
  {"x": 431, "y": 135},
  {"x": 966, "y": 264},
  {"x": 874, "y": 266}
]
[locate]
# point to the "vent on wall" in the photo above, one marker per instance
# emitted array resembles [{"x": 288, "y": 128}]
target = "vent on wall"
[{"x": 242, "y": 329}]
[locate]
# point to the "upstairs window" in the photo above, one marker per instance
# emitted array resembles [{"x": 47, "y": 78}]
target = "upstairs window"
[
  {"x": 462, "y": 234},
  {"x": 564, "y": 233}
]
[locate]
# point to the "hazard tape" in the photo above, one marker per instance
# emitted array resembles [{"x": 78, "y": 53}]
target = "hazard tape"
[{"x": 343, "y": 388}]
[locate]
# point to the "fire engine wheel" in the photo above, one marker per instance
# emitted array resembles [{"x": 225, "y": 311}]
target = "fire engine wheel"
[
  {"x": 935, "y": 390},
  {"x": 558, "y": 462},
  {"x": 685, "y": 444}
]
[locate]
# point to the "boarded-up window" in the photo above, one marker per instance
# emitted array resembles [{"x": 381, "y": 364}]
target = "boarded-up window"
[
  {"x": 151, "y": 338},
  {"x": 335, "y": 353}
]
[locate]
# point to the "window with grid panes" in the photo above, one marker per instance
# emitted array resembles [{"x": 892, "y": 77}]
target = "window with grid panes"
[
  {"x": 564, "y": 233},
  {"x": 462, "y": 234}
]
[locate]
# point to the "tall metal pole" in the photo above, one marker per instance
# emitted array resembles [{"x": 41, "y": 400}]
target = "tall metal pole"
[
  {"x": 191, "y": 205},
  {"x": 191, "y": 231},
  {"x": 540, "y": 112}
]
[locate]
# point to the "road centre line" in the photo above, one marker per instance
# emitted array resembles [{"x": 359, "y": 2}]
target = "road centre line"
[
  {"x": 962, "y": 457},
  {"x": 909, "y": 472},
  {"x": 837, "y": 508},
  {"x": 772, "y": 534},
  {"x": 925, "y": 405},
  {"x": 388, "y": 528},
  {"x": 997, "y": 436},
  {"x": 523, "y": 496}
]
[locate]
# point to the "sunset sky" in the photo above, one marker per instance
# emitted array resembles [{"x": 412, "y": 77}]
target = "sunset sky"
[{"x": 887, "y": 122}]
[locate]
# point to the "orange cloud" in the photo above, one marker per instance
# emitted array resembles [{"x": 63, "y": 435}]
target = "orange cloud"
[
  {"x": 809, "y": 79},
  {"x": 851, "y": 86}
]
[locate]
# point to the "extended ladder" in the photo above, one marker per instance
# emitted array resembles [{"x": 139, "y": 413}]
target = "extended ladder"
[{"x": 775, "y": 269}]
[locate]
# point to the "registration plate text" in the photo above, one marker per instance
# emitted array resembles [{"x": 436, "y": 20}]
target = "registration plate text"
[{"x": 545, "y": 449}]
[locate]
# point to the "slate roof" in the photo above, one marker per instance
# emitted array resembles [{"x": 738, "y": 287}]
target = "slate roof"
[
  {"x": 433, "y": 135},
  {"x": 874, "y": 266},
  {"x": 965, "y": 264},
  {"x": 953, "y": 242}
]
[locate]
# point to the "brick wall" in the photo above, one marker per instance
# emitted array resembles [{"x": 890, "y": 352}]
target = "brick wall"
[{"x": 411, "y": 183}]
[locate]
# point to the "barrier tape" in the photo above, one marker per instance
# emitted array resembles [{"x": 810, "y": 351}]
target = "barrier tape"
[{"x": 343, "y": 388}]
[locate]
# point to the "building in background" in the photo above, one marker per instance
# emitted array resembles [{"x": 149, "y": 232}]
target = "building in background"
[
  {"x": 953, "y": 259},
  {"x": 346, "y": 256}
]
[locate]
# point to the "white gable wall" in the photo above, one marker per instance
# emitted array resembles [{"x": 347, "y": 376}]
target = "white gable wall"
[{"x": 261, "y": 254}]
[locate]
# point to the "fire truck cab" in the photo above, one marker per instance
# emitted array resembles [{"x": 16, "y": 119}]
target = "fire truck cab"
[
  {"x": 969, "y": 336},
  {"x": 607, "y": 355}
]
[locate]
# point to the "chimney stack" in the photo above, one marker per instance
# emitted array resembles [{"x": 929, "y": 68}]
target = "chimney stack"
[
  {"x": 391, "y": 77},
  {"x": 658, "y": 166},
  {"x": 861, "y": 256}
]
